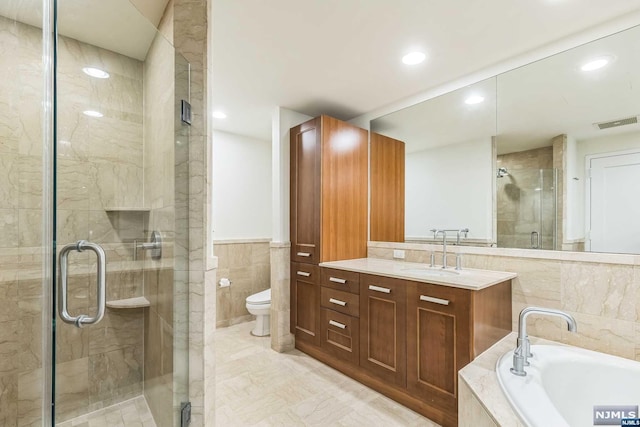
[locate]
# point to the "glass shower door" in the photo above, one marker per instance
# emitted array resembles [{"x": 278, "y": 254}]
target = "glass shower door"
[
  {"x": 526, "y": 200},
  {"x": 121, "y": 279}
]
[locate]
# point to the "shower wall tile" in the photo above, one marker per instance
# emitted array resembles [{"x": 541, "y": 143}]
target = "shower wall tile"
[
  {"x": 9, "y": 181},
  {"x": 9, "y": 399},
  {"x": 30, "y": 398},
  {"x": 8, "y": 228},
  {"x": 30, "y": 182},
  {"x": 72, "y": 388},
  {"x": 120, "y": 372}
]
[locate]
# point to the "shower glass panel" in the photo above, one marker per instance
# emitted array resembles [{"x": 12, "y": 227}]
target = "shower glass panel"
[
  {"x": 120, "y": 190},
  {"x": 526, "y": 213},
  {"x": 24, "y": 270}
]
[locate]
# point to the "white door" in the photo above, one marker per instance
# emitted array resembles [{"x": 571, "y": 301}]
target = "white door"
[{"x": 615, "y": 203}]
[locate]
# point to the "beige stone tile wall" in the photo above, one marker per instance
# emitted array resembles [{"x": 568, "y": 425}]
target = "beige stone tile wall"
[
  {"x": 247, "y": 265},
  {"x": 604, "y": 297}
]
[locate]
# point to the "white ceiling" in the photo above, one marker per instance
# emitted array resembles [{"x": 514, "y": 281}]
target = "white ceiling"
[{"x": 342, "y": 57}]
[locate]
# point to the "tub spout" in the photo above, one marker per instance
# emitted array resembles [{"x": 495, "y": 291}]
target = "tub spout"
[{"x": 523, "y": 352}]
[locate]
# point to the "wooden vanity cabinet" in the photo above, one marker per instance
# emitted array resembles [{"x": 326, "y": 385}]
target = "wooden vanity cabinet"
[{"x": 383, "y": 336}]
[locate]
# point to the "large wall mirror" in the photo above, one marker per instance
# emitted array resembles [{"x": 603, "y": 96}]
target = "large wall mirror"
[{"x": 545, "y": 156}]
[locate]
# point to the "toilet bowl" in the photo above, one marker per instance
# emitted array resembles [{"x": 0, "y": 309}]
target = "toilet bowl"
[{"x": 260, "y": 305}]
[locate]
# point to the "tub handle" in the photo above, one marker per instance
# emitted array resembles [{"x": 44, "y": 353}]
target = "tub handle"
[{"x": 434, "y": 300}]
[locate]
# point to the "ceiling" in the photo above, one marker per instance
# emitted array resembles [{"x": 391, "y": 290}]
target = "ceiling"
[{"x": 342, "y": 57}]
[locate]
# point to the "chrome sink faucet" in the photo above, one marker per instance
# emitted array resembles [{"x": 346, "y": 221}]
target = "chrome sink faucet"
[
  {"x": 444, "y": 245},
  {"x": 523, "y": 352}
]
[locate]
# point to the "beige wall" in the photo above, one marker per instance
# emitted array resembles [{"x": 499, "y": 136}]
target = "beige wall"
[
  {"x": 599, "y": 290},
  {"x": 247, "y": 265}
]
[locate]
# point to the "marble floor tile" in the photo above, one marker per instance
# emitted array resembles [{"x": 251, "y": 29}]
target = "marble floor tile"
[{"x": 256, "y": 386}]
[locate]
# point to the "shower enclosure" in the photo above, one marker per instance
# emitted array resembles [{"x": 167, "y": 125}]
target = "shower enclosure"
[
  {"x": 93, "y": 213},
  {"x": 526, "y": 208}
]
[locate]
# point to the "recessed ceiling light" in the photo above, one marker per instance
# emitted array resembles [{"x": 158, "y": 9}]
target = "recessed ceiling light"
[
  {"x": 95, "y": 72},
  {"x": 219, "y": 115},
  {"x": 474, "y": 99},
  {"x": 92, "y": 113},
  {"x": 595, "y": 64},
  {"x": 414, "y": 58}
]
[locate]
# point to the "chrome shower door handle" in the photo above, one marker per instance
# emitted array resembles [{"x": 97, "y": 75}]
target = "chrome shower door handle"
[{"x": 63, "y": 288}]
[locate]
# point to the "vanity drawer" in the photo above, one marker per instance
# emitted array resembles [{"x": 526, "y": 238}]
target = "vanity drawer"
[
  {"x": 305, "y": 272},
  {"x": 341, "y": 301},
  {"x": 440, "y": 298},
  {"x": 340, "y": 335},
  {"x": 340, "y": 279}
]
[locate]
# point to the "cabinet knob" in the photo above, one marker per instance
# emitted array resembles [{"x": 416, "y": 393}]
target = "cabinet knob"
[
  {"x": 379, "y": 289},
  {"x": 337, "y": 324},
  {"x": 434, "y": 300},
  {"x": 337, "y": 302},
  {"x": 337, "y": 280}
]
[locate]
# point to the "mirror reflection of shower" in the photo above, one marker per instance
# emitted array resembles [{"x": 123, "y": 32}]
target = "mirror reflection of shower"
[{"x": 502, "y": 172}]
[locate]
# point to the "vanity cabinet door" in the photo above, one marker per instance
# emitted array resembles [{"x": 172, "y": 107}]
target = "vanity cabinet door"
[
  {"x": 306, "y": 150},
  {"x": 305, "y": 302},
  {"x": 439, "y": 341},
  {"x": 383, "y": 348},
  {"x": 340, "y": 335}
]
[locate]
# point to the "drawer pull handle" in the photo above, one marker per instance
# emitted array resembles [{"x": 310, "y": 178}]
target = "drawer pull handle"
[
  {"x": 379, "y": 289},
  {"x": 303, "y": 273},
  {"x": 336, "y": 280},
  {"x": 304, "y": 254},
  {"x": 337, "y": 324},
  {"x": 337, "y": 302},
  {"x": 435, "y": 300}
]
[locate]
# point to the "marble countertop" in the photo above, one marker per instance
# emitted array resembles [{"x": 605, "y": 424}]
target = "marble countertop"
[
  {"x": 480, "y": 375},
  {"x": 467, "y": 278}
]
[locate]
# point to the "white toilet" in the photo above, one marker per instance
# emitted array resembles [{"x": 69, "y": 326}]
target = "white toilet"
[{"x": 260, "y": 305}]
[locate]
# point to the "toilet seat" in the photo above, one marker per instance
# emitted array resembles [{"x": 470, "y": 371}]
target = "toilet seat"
[{"x": 261, "y": 298}]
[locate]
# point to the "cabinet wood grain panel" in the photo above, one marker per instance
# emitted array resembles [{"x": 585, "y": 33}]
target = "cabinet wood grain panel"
[
  {"x": 341, "y": 280},
  {"x": 344, "y": 191},
  {"x": 383, "y": 348},
  {"x": 305, "y": 191},
  {"x": 305, "y": 303},
  {"x": 439, "y": 341},
  {"x": 340, "y": 335},
  {"x": 491, "y": 316},
  {"x": 344, "y": 302},
  {"x": 387, "y": 189}
]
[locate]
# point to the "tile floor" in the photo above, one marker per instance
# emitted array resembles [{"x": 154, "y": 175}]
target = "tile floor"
[
  {"x": 130, "y": 413},
  {"x": 258, "y": 387}
]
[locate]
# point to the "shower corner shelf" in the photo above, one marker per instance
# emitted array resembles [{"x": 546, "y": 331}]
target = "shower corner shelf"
[
  {"x": 136, "y": 302},
  {"x": 126, "y": 209}
]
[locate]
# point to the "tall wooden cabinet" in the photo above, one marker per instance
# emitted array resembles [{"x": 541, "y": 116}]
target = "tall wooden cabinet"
[{"x": 329, "y": 188}]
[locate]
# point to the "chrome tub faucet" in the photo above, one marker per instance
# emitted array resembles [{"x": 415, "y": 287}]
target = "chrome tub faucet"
[{"x": 522, "y": 351}]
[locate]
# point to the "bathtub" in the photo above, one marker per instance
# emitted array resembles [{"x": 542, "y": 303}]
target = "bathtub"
[{"x": 563, "y": 384}]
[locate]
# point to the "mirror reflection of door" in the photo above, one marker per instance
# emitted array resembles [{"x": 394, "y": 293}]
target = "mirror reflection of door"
[{"x": 613, "y": 203}]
